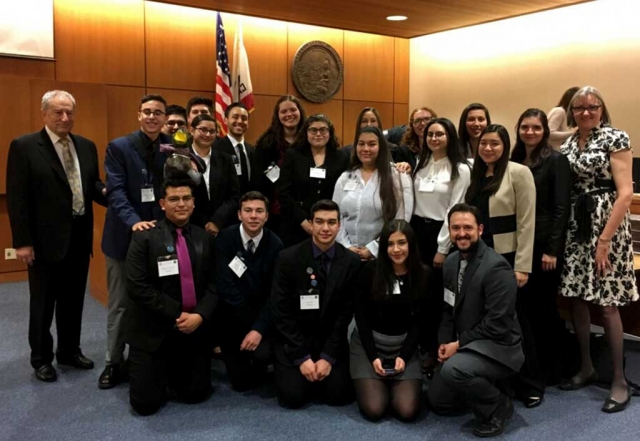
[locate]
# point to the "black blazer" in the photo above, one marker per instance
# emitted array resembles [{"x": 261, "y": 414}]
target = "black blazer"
[
  {"x": 302, "y": 332},
  {"x": 263, "y": 156},
  {"x": 39, "y": 197},
  {"x": 298, "y": 191},
  {"x": 221, "y": 205},
  {"x": 552, "y": 177},
  {"x": 223, "y": 144},
  {"x": 157, "y": 301},
  {"x": 483, "y": 319}
]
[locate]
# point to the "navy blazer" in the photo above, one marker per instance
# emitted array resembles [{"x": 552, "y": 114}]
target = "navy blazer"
[
  {"x": 39, "y": 197},
  {"x": 127, "y": 173}
]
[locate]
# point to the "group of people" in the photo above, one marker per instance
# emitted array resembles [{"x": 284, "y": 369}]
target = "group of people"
[{"x": 447, "y": 246}]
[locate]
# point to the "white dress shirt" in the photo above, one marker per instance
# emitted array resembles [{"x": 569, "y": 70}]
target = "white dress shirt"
[
  {"x": 236, "y": 147},
  {"x": 246, "y": 238},
  {"x": 437, "y": 203},
  {"x": 205, "y": 174},
  {"x": 361, "y": 208},
  {"x": 55, "y": 139}
]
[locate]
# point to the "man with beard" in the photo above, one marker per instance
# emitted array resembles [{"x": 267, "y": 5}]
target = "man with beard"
[{"x": 479, "y": 334}]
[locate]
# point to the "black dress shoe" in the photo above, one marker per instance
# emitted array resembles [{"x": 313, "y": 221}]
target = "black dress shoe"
[
  {"x": 110, "y": 377},
  {"x": 494, "y": 426},
  {"x": 531, "y": 402},
  {"x": 46, "y": 373},
  {"x": 77, "y": 361},
  {"x": 571, "y": 384},
  {"x": 612, "y": 406}
]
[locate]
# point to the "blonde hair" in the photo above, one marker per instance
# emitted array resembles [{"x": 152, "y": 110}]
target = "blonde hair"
[{"x": 583, "y": 93}]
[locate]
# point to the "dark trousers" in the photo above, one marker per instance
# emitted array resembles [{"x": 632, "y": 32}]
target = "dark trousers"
[
  {"x": 294, "y": 390},
  {"x": 467, "y": 380},
  {"x": 60, "y": 287},
  {"x": 182, "y": 364}
]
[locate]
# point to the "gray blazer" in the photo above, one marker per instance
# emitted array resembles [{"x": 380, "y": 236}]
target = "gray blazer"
[{"x": 483, "y": 318}]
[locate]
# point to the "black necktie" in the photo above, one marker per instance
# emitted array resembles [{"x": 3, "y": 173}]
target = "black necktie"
[{"x": 244, "y": 179}]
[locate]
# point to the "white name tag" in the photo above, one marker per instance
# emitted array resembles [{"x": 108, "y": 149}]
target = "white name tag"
[
  {"x": 449, "y": 297},
  {"x": 147, "y": 195},
  {"x": 319, "y": 173},
  {"x": 168, "y": 266},
  {"x": 351, "y": 185},
  {"x": 238, "y": 169},
  {"x": 311, "y": 301},
  {"x": 396, "y": 287},
  {"x": 273, "y": 173},
  {"x": 238, "y": 266},
  {"x": 426, "y": 186}
]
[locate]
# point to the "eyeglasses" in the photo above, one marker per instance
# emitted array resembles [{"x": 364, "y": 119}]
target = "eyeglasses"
[
  {"x": 436, "y": 135},
  {"x": 205, "y": 131},
  {"x": 418, "y": 121},
  {"x": 175, "y": 200},
  {"x": 315, "y": 130},
  {"x": 149, "y": 112},
  {"x": 581, "y": 109},
  {"x": 175, "y": 123}
]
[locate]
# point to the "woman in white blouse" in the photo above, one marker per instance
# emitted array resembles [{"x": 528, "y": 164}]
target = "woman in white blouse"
[
  {"x": 560, "y": 131},
  {"x": 441, "y": 179},
  {"x": 370, "y": 194}
]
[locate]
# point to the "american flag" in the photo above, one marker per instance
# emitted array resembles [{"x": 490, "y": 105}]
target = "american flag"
[{"x": 223, "y": 78}]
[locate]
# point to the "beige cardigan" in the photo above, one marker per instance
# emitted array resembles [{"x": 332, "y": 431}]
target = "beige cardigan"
[
  {"x": 560, "y": 131},
  {"x": 516, "y": 197}
]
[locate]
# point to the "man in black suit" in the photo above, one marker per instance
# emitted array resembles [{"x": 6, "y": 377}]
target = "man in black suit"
[
  {"x": 479, "y": 332},
  {"x": 170, "y": 283},
  {"x": 236, "y": 118},
  {"x": 52, "y": 181},
  {"x": 312, "y": 305}
]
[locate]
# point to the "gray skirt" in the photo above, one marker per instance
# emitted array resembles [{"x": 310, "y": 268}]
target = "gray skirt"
[{"x": 388, "y": 346}]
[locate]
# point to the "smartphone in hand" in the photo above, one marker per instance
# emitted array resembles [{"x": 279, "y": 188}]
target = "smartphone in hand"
[{"x": 389, "y": 366}]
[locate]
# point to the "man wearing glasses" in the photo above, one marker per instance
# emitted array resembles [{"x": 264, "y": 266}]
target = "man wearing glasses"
[
  {"x": 176, "y": 119},
  {"x": 171, "y": 289},
  {"x": 134, "y": 168}
]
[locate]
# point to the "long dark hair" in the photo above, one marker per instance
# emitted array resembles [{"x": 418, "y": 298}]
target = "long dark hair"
[
  {"x": 387, "y": 187},
  {"x": 480, "y": 167},
  {"x": 385, "y": 277},
  {"x": 273, "y": 137},
  {"x": 454, "y": 150},
  {"x": 410, "y": 139},
  {"x": 566, "y": 98},
  {"x": 542, "y": 150},
  {"x": 359, "y": 121},
  {"x": 302, "y": 141},
  {"x": 463, "y": 134}
]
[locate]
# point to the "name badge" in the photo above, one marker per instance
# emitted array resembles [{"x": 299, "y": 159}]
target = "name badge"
[
  {"x": 319, "y": 173},
  {"x": 351, "y": 185},
  {"x": 168, "y": 265},
  {"x": 273, "y": 173},
  {"x": 426, "y": 186},
  {"x": 147, "y": 195},
  {"x": 450, "y": 297},
  {"x": 396, "y": 287},
  {"x": 309, "y": 302},
  {"x": 238, "y": 169},
  {"x": 238, "y": 266}
]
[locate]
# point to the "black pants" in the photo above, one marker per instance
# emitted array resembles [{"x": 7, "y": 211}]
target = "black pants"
[
  {"x": 182, "y": 363},
  {"x": 60, "y": 287},
  {"x": 294, "y": 390},
  {"x": 467, "y": 380}
]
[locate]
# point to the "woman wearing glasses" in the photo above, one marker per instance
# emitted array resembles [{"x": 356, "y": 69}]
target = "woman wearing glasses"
[
  {"x": 414, "y": 136},
  {"x": 474, "y": 119},
  {"x": 216, "y": 198},
  {"x": 309, "y": 173},
  {"x": 598, "y": 254}
]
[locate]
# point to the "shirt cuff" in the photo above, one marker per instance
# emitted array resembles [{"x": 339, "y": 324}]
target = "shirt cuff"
[
  {"x": 328, "y": 358},
  {"x": 299, "y": 361}
]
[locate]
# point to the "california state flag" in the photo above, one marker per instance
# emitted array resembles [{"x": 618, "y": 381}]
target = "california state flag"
[{"x": 242, "y": 88}]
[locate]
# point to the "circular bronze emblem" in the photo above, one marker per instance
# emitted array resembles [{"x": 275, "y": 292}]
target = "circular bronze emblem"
[{"x": 317, "y": 71}]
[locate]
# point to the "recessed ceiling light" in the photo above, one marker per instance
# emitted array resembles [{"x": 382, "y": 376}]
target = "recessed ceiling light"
[{"x": 397, "y": 17}]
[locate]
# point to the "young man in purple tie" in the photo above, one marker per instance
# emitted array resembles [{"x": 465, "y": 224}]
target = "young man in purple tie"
[{"x": 170, "y": 283}]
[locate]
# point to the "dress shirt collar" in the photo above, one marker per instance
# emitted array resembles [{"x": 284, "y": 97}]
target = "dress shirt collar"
[
  {"x": 246, "y": 238},
  {"x": 330, "y": 253},
  {"x": 54, "y": 138},
  {"x": 207, "y": 157},
  {"x": 235, "y": 142},
  {"x": 186, "y": 229}
]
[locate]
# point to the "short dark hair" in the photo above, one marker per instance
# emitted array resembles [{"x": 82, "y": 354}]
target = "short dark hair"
[
  {"x": 177, "y": 181},
  {"x": 233, "y": 105},
  {"x": 200, "y": 100},
  {"x": 153, "y": 97},
  {"x": 202, "y": 117},
  {"x": 175, "y": 109},
  {"x": 253, "y": 196},
  {"x": 465, "y": 208},
  {"x": 324, "y": 205}
]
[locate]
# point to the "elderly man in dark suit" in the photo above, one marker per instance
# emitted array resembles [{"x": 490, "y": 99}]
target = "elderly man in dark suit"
[
  {"x": 312, "y": 305},
  {"x": 479, "y": 332},
  {"x": 170, "y": 282},
  {"x": 52, "y": 181}
]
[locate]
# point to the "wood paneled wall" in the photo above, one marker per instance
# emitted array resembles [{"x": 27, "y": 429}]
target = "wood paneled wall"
[{"x": 111, "y": 52}]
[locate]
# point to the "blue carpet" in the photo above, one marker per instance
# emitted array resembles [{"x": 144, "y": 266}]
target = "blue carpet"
[{"x": 74, "y": 408}]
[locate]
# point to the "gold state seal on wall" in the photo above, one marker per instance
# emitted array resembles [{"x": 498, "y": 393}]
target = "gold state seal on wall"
[{"x": 317, "y": 71}]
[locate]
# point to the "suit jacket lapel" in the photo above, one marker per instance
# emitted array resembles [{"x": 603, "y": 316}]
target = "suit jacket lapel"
[
  {"x": 51, "y": 156},
  {"x": 334, "y": 276}
]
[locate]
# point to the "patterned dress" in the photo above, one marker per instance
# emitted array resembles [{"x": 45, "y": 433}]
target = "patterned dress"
[{"x": 579, "y": 273}]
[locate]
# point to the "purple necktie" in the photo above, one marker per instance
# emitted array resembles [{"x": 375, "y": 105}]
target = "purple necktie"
[{"x": 186, "y": 274}]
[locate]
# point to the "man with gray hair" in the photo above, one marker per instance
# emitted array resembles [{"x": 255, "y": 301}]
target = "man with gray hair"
[{"x": 52, "y": 181}]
